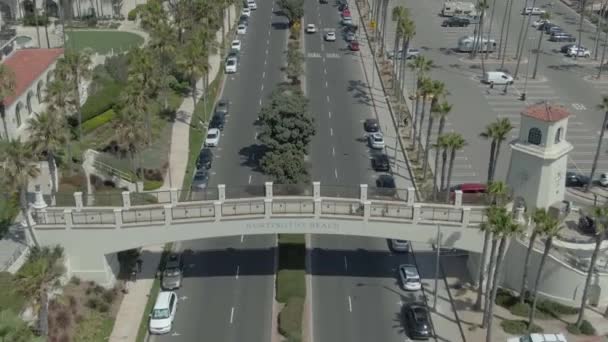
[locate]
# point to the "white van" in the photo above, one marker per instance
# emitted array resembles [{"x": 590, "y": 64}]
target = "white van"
[
  {"x": 467, "y": 43},
  {"x": 251, "y": 4},
  {"x": 163, "y": 313},
  {"x": 497, "y": 77}
]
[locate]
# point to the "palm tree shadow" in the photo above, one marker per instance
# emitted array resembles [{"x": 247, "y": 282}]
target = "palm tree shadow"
[
  {"x": 251, "y": 155},
  {"x": 359, "y": 92}
]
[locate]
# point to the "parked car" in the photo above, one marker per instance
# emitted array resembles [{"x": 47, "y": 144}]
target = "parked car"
[
  {"x": 349, "y": 36},
  {"x": 539, "y": 338},
  {"x": 400, "y": 246},
  {"x": 354, "y": 45},
  {"x": 213, "y": 137},
  {"x": 603, "y": 179},
  {"x": 342, "y": 7},
  {"x": 539, "y": 23},
  {"x": 565, "y": 48},
  {"x": 376, "y": 140},
  {"x": 234, "y": 55},
  {"x": 163, "y": 313},
  {"x": 533, "y": 11},
  {"x": 576, "y": 180},
  {"x": 235, "y": 45},
  {"x": 417, "y": 321},
  {"x": 409, "y": 277},
  {"x": 385, "y": 185},
  {"x": 411, "y": 53},
  {"x": 562, "y": 37},
  {"x": 217, "y": 121},
  {"x": 230, "y": 67},
  {"x": 554, "y": 29},
  {"x": 222, "y": 107},
  {"x": 371, "y": 125},
  {"x": 330, "y": 36},
  {"x": 311, "y": 28},
  {"x": 497, "y": 77},
  {"x": 456, "y": 22},
  {"x": 172, "y": 274},
  {"x": 252, "y": 5},
  {"x": 243, "y": 19},
  {"x": 241, "y": 29},
  {"x": 578, "y": 52},
  {"x": 347, "y": 20},
  {"x": 200, "y": 180},
  {"x": 346, "y": 13},
  {"x": 246, "y": 11},
  {"x": 551, "y": 28},
  {"x": 205, "y": 158},
  {"x": 380, "y": 162}
]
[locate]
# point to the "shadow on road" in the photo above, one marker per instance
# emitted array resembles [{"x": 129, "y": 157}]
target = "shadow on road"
[
  {"x": 359, "y": 89},
  {"x": 251, "y": 156}
]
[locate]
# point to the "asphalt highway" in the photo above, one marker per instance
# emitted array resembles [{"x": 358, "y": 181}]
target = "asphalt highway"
[{"x": 227, "y": 292}]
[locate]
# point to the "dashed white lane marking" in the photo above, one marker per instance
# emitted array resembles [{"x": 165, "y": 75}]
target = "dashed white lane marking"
[
  {"x": 345, "y": 264},
  {"x": 322, "y": 47},
  {"x": 333, "y": 151},
  {"x": 249, "y": 179},
  {"x": 350, "y": 306},
  {"x": 238, "y": 269},
  {"x": 267, "y": 41},
  {"x": 331, "y": 132},
  {"x": 262, "y": 87},
  {"x": 266, "y": 51},
  {"x": 325, "y": 84},
  {"x": 255, "y": 136},
  {"x": 260, "y": 102},
  {"x": 265, "y": 62},
  {"x": 336, "y": 173},
  {"x": 263, "y": 74},
  {"x": 242, "y": 238},
  {"x": 329, "y": 115},
  {"x": 327, "y": 98},
  {"x": 231, "y": 315},
  {"x": 325, "y": 71}
]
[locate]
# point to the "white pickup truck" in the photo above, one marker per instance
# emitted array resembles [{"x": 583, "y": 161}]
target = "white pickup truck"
[{"x": 539, "y": 338}]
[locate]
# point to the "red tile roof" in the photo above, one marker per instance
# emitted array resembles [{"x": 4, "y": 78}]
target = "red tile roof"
[
  {"x": 546, "y": 112},
  {"x": 28, "y": 65}
]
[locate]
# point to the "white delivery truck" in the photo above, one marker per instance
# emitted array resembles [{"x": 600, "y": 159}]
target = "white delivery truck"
[
  {"x": 466, "y": 44},
  {"x": 539, "y": 338},
  {"x": 458, "y": 8}
]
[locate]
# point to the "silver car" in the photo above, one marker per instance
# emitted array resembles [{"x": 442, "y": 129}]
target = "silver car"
[
  {"x": 402, "y": 246},
  {"x": 173, "y": 272}
]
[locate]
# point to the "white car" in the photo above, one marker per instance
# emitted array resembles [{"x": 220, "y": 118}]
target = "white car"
[
  {"x": 213, "y": 137},
  {"x": 310, "y": 28},
  {"x": 410, "y": 279},
  {"x": 376, "y": 140},
  {"x": 330, "y": 36},
  {"x": 400, "y": 246},
  {"x": 578, "y": 52},
  {"x": 604, "y": 179},
  {"x": 252, "y": 5},
  {"x": 350, "y": 36},
  {"x": 246, "y": 11},
  {"x": 540, "y": 22},
  {"x": 539, "y": 338},
  {"x": 347, "y": 21},
  {"x": 230, "y": 66},
  {"x": 532, "y": 11},
  {"x": 163, "y": 313},
  {"x": 241, "y": 29},
  {"x": 236, "y": 45}
]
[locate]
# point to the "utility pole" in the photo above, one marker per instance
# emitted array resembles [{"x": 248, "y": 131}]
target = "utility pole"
[
  {"x": 438, "y": 246},
  {"x": 524, "y": 41},
  {"x": 599, "y": 73},
  {"x": 538, "y": 52},
  {"x": 504, "y": 52}
]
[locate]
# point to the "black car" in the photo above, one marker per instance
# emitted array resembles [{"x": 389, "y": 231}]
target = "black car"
[
  {"x": 380, "y": 162},
  {"x": 565, "y": 48},
  {"x": 222, "y": 107},
  {"x": 385, "y": 186},
  {"x": 205, "y": 158},
  {"x": 456, "y": 22},
  {"x": 244, "y": 19},
  {"x": 200, "y": 180},
  {"x": 562, "y": 37},
  {"x": 217, "y": 121},
  {"x": 555, "y": 30},
  {"x": 371, "y": 125},
  {"x": 576, "y": 180},
  {"x": 548, "y": 27},
  {"x": 586, "y": 224},
  {"x": 417, "y": 321},
  {"x": 234, "y": 55}
]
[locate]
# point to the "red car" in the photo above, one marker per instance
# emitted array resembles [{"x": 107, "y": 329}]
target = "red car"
[
  {"x": 346, "y": 13},
  {"x": 354, "y": 45}
]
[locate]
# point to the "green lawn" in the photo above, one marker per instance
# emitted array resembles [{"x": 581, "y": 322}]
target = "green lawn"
[{"x": 103, "y": 41}]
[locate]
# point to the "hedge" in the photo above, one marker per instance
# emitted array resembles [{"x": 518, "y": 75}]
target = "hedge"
[
  {"x": 132, "y": 15},
  {"x": 102, "y": 100},
  {"x": 97, "y": 121},
  {"x": 290, "y": 319},
  {"x": 518, "y": 327}
]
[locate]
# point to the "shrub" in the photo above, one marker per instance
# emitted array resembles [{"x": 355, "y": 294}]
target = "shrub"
[
  {"x": 118, "y": 67},
  {"x": 585, "y": 329},
  {"x": 92, "y": 303},
  {"x": 30, "y": 20},
  {"x": 102, "y": 100},
  {"x": 556, "y": 309},
  {"x": 98, "y": 289},
  {"x": 63, "y": 319},
  {"x": 290, "y": 319},
  {"x": 152, "y": 185},
  {"x": 520, "y": 309},
  {"x": 505, "y": 298},
  {"x": 98, "y": 121},
  {"x": 518, "y": 327},
  {"x": 103, "y": 307},
  {"x": 290, "y": 283},
  {"x": 75, "y": 280},
  {"x": 109, "y": 295},
  {"x": 132, "y": 15}
]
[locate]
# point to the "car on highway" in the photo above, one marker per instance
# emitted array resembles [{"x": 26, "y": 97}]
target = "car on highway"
[
  {"x": 380, "y": 162},
  {"x": 562, "y": 37},
  {"x": 241, "y": 29},
  {"x": 456, "y": 22},
  {"x": 417, "y": 321},
  {"x": 400, "y": 246},
  {"x": 385, "y": 186},
  {"x": 565, "y": 48},
  {"x": 353, "y": 45},
  {"x": 574, "y": 179},
  {"x": 311, "y": 28},
  {"x": 371, "y": 125},
  {"x": 603, "y": 179},
  {"x": 205, "y": 159},
  {"x": 235, "y": 45},
  {"x": 539, "y": 23},
  {"x": 163, "y": 313},
  {"x": 349, "y": 36},
  {"x": 376, "y": 140},
  {"x": 246, "y": 11},
  {"x": 411, "y": 53},
  {"x": 230, "y": 67},
  {"x": 200, "y": 180},
  {"x": 330, "y": 36},
  {"x": 172, "y": 274},
  {"x": 347, "y": 21},
  {"x": 409, "y": 277},
  {"x": 578, "y": 52},
  {"x": 213, "y": 137},
  {"x": 323, "y": 1},
  {"x": 533, "y": 11}
]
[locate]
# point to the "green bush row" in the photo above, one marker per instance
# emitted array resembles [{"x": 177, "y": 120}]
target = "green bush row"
[
  {"x": 585, "y": 329},
  {"x": 102, "y": 100},
  {"x": 290, "y": 284},
  {"x": 97, "y": 121},
  {"x": 518, "y": 327},
  {"x": 290, "y": 319},
  {"x": 132, "y": 15}
]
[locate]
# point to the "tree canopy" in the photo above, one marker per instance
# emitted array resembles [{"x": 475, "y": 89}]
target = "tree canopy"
[{"x": 293, "y": 9}]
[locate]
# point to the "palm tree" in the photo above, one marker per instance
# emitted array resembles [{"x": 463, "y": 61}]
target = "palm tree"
[
  {"x": 79, "y": 64},
  {"x": 506, "y": 228},
  {"x": 504, "y": 47},
  {"x": 49, "y": 133},
  {"x": 441, "y": 111},
  {"x": 421, "y": 65},
  {"x": 20, "y": 165},
  {"x": 399, "y": 14},
  {"x": 191, "y": 64},
  {"x": 439, "y": 91},
  {"x": 409, "y": 30},
  {"x": 539, "y": 218},
  {"x": 490, "y": 27},
  {"x": 426, "y": 90},
  {"x": 129, "y": 136},
  {"x": 544, "y": 16},
  {"x": 550, "y": 228},
  {"x": 600, "y": 215},
  {"x": 497, "y": 132},
  {"x": 58, "y": 96},
  {"x": 35, "y": 12},
  {"x": 443, "y": 145},
  {"x": 524, "y": 40},
  {"x": 579, "y": 42},
  {"x": 481, "y": 7},
  {"x": 7, "y": 89},
  {"x": 142, "y": 71},
  {"x": 492, "y": 233},
  {"x": 603, "y": 106},
  {"x": 456, "y": 143}
]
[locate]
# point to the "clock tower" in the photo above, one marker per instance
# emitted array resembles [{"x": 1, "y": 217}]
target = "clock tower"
[{"x": 539, "y": 156}]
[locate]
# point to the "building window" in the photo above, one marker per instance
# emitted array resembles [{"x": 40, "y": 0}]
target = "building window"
[
  {"x": 29, "y": 102},
  {"x": 39, "y": 91},
  {"x": 18, "y": 114},
  {"x": 535, "y": 136},
  {"x": 558, "y": 135}
]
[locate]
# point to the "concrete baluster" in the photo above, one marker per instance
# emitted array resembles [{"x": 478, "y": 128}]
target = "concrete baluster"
[
  {"x": 417, "y": 212},
  {"x": 39, "y": 203},
  {"x": 267, "y": 207},
  {"x": 411, "y": 196},
  {"x": 118, "y": 216},
  {"x": 217, "y": 206},
  {"x": 168, "y": 214},
  {"x": 67, "y": 217},
  {"x": 458, "y": 198},
  {"x": 317, "y": 207},
  {"x": 316, "y": 190},
  {"x": 41, "y": 213},
  {"x": 367, "y": 209},
  {"x": 221, "y": 192},
  {"x": 174, "y": 196},
  {"x": 78, "y": 200},
  {"x": 466, "y": 216},
  {"x": 126, "y": 200},
  {"x": 268, "y": 189},
  {"x": 363, "y": 193},
  {"x": 519, "y": 215}
]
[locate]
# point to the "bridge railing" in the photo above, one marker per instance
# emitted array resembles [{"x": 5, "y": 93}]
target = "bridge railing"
[{"x": 137, "y": 209}]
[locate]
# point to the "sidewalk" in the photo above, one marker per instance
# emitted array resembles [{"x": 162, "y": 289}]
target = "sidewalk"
[{"x": 134, "y": 302}]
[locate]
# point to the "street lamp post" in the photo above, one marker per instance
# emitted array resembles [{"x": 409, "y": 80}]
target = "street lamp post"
[
  {"x": 438, "y": 246},
  {"x": 523, "y": 94}
]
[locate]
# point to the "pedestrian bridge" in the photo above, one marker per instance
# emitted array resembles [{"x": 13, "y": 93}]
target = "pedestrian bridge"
[{"x": 91, "y": 232}]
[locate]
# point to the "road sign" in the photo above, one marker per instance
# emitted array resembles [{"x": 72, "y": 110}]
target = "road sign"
[{"x": 372, "y": 24}]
